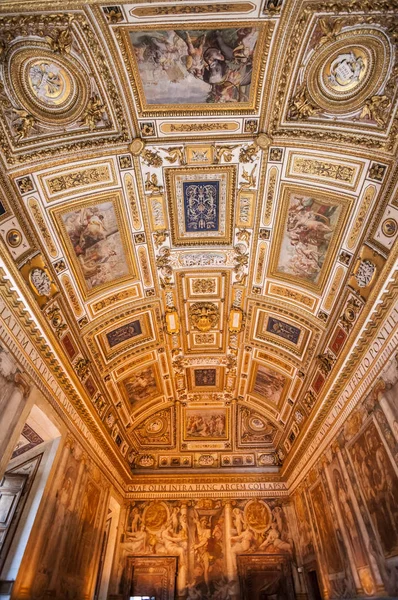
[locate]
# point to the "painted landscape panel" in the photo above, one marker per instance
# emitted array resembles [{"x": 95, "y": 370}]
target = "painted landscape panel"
[
  {"x": 308, "y": 231},
  {"x": 94, "y": 235},
  {"x": 196, "y": 66}
]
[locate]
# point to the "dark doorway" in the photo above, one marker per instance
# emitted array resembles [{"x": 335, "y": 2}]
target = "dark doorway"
[{"x": 315, "y": 592}]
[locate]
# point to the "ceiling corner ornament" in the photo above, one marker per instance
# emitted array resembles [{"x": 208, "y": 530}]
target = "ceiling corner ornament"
[
  {"x": 204, "y": 316},
  {"x": 345, "y": 75}
]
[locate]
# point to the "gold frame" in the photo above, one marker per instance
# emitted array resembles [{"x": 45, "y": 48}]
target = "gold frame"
[
  {"x": 200, "y": 409},
  {"x": 51, "y": 197},
  {"x": 333, "y": 160},
  {"x": 146, "y": 335},
  {"x": 161, "y": 200},
  {"x": 325, "y": 197},
  {"x": 116, "y": 198},
  {"x": 263, "y": 334},
  {"x": 139, "y": 404},
  {"x": 192, "y": 387},
  {"x": 178, "y": 238},
  {"x": 163, "y": 110},
  {"x": 254, "y": 368}
]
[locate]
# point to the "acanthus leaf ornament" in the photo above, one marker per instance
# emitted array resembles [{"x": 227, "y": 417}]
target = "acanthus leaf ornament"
[
  {"x": 94, "y": 113},
  {"x": 176, "y": 154},
  {"x": 375, "y": 109},
  {"x": 222, "y": 152},
  {"x": 326, "y": 362},
  {"x": 61, "y": 40},
  {"x": 300, "y": 106},
  {"x": 248, "y": 153}
]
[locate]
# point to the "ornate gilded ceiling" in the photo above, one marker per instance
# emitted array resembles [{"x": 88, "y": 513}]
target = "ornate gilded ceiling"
[{"x": 199, "y": 209}]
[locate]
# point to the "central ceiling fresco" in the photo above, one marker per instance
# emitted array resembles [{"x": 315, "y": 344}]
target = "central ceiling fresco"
[{"x": 199, "y": 205}]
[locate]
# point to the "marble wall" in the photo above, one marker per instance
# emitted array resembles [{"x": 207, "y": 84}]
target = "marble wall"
[
  {"x": 347, "y": 506},
  {"x": 62, "y": 555}
]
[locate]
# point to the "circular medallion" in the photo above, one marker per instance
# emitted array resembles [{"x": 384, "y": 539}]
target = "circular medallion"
[
  {"x": 14, "y": 238},
  {"x": 257, "y": 424},
  {"x": 389, "y": 227},
  {"x": 350, "y": 314},
  {"x": 155, "y": 516},
  {"x": 344, "y": 73},
  {"x": 49, "y": 82},
  {"x": 136, "y": 146},
  {"x": 258, "y": 515},
  {"x": 206, "y": 460},
  {"x": 154, "y": 426},
  {"x": 53, "y": 88},
  {"x": 146, "y": 461}
]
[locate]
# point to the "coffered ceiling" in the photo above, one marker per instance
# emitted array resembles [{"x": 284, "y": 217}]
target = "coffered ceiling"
[{"x": 199, "y": 208}]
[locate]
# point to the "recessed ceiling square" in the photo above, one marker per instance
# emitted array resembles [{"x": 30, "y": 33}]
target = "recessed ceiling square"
[{"x": 201, "y": 205}]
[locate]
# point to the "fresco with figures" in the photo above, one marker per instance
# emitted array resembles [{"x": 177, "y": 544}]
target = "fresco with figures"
[
  {"x": 309, "y": 228},
  {"x": 207, "y": 536},
  {"x": 347, "y": 508},
  {"x": 196, "y": 66},
  {"x": 93, "y": 234},
  {"x": 379, "y": 483}
]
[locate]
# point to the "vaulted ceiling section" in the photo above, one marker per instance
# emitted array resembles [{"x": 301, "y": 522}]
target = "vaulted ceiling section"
[{"x": 199, "y": 212}]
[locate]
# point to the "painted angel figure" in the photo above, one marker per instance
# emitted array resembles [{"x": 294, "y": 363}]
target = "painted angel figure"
[{"x": 239, "y": 520}]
